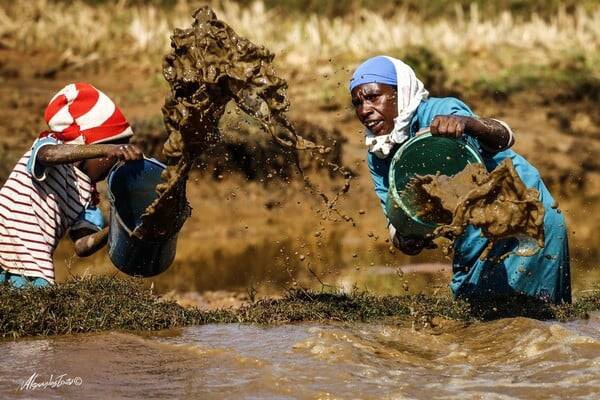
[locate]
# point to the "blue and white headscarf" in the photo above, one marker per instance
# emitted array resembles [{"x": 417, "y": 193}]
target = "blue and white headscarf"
[{"x": 411, "y": 91}]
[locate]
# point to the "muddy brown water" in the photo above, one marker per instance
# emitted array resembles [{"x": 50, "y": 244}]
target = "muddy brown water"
[{"x": 513, "y": 358}]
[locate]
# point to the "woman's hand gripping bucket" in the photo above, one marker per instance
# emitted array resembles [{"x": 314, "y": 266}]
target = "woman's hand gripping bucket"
[
  {"x": 422, "y": 155},
  {"x": 131, "y": 189}
]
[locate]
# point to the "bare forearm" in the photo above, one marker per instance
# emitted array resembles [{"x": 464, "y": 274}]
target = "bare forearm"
[
  {"x": 491, "y": 133},
  {"x": 88, "y": 245},
  {"x": 70, "y": 153}
]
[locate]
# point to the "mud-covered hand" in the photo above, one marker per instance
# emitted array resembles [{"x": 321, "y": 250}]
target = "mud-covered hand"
[
  {"x": 449, "y": 125},
  {"x": 412, "y": 246},
  {"x": 408, "y": 245},
  {"x": 125, "y": 152}
]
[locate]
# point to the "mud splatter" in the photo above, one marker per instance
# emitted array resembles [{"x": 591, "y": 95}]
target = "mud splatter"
[
  {"x": 497, "y": 202},
  {"x": 209, "y": 66}
]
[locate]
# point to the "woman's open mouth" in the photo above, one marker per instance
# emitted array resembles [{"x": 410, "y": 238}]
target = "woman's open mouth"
[{"x": 374, "y": 126}]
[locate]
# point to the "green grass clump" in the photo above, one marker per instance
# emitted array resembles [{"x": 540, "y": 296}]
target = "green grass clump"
[
  {"x": 87, "y": 305},
  {"x": 95, "y": 304},
  {"x": 580, "y": 309}
]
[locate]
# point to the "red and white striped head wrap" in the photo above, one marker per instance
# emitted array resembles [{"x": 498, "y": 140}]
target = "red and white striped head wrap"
[{"x": 82, "y": 114}]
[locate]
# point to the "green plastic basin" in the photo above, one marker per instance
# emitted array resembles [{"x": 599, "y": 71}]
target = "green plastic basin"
[{"x": 423, "y": 155}]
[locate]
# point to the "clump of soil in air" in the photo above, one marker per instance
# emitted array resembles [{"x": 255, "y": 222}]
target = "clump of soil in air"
[
  {"x": 497, "y": 202},
  {"x": 209, "y": 66}
]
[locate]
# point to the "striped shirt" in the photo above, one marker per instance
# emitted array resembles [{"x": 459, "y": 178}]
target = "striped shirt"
[{"x": 36, "y": 212}]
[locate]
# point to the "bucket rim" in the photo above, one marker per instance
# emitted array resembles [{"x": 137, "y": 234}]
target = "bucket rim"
[{"x": 114, "y": 168}]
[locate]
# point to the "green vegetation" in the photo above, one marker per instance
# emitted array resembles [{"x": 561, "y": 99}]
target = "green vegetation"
[
  {"x": 85, "y": 305},
  {"x": 105, "y": 303}
]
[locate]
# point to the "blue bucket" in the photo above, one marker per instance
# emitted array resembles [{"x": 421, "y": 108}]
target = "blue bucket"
[
  {"x": 422, "y": 155},
  {"x": 131, "y": 189}
]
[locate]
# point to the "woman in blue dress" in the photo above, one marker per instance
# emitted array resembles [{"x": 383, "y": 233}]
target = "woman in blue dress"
[{"x": 393, "y": 105}]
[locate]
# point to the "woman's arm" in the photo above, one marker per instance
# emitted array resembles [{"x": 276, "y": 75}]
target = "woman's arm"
[
  {"x": 71, "y": 153},
  {"x": 93, "y": 159},
  {"x": 87, "y": 241}
]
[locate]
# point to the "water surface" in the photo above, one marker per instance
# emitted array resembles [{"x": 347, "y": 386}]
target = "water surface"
[{"x": 513, "y": 358}]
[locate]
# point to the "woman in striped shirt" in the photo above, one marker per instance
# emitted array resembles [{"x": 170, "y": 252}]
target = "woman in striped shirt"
[{"x": 52, "y": 188}]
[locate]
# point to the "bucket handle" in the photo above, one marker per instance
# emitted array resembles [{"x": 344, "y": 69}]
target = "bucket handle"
[{"x": 423, "y": 131}]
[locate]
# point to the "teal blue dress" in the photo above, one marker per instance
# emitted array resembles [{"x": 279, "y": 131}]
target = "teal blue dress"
[{"x": 545, "y": 275}]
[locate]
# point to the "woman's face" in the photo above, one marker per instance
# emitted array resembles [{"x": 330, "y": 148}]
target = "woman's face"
[{"x": 376, "y": 106}]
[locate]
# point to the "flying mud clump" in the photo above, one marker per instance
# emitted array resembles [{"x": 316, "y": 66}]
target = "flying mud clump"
[
  {"x": 498, "y": 203},
  {"x": 209, "y": 66}
]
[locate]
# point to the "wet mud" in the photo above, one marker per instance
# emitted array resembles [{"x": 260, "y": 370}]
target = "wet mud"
[
  {"x": 209, "y": 66},
  {"x": 498, "y": 202}
]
